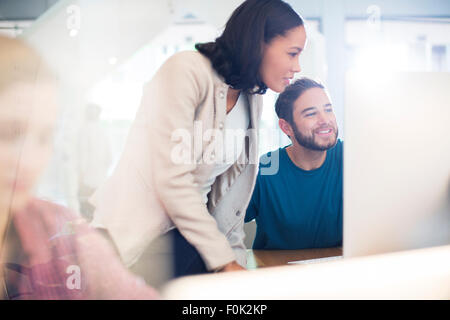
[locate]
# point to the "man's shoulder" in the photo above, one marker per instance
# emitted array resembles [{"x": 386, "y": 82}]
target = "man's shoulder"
[
  {"x": 338, "y": 149},
  {"x": 336, "y": 154},
  {"x": 266, "y": 159},
  {"x": 269, "y": 163}
]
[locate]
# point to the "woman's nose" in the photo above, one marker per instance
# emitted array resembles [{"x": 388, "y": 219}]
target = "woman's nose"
[{"x": 297, "y": 68}]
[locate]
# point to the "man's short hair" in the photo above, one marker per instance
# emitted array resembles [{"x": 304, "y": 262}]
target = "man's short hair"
[{"x": 284, "y": 106}]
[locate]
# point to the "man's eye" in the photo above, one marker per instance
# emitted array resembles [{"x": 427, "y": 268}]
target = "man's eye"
[
  {"x": 310, "y": 114},
  {"x": 293, "y": 54},
  {"x": 329, "y": 110}
]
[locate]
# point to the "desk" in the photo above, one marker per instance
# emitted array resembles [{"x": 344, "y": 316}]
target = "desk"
[
  {"x": 271, "y": 258},
  {"x": 414, "y": 274}
]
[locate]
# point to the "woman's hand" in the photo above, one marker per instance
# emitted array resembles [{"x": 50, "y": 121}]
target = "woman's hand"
[{"x": 232, "y": 266}]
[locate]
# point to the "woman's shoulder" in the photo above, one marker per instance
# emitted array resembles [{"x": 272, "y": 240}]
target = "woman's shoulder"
[
  {"x": 187, "y": 70},
  {"x": 191, "y": 60}
]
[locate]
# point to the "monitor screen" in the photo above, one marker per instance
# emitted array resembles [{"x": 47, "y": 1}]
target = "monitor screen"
[{"x": 396, "y": 162}]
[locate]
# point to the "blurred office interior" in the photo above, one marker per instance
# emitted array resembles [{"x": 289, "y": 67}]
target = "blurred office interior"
[{"x": 104, "y": 51}]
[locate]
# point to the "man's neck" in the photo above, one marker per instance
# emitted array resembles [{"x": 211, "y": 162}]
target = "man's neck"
[{"x": 304, "y": 158}]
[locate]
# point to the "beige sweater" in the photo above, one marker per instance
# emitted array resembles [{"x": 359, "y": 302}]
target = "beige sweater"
[{"x": 150, "y": 191}]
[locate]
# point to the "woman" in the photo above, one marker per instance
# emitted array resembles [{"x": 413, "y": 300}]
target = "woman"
[
  {"x": 46, "y": 252},
  {"x": 176, "y": 172}
]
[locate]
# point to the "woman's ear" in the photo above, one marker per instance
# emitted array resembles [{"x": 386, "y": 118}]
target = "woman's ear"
[{"x": 286, "y": 127}]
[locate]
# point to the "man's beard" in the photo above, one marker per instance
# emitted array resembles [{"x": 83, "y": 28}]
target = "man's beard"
[{"x": 309, "y": 142}]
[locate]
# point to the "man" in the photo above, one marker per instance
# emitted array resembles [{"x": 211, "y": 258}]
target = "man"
[{"x": 300, "y": 206}]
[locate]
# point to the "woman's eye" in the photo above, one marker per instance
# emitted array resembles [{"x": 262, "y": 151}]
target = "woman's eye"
[
  {"x": 293, "y": 54},
  {"x": 10, "y": 133}
]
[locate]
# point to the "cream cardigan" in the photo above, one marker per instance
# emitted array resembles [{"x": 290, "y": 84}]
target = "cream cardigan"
[{"x": 149, "y": 193}]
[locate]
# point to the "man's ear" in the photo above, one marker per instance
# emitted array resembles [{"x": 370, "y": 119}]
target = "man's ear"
[{"x": 286, "y": 127}]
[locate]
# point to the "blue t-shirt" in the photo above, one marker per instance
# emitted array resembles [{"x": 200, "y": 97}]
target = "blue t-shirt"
[{"x": 298, "y": 209}]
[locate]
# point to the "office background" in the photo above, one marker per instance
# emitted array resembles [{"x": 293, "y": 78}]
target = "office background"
[{"x": 104, "y": 51}]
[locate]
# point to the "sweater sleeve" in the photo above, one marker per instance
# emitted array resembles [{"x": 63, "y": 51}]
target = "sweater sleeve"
[{"x": 175, "y": 92}]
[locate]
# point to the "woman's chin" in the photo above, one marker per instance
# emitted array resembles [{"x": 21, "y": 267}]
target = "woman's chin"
[{"x": 278, "y": 88}]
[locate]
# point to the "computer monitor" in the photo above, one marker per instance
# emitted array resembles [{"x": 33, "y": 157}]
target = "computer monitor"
[{"x": 396, "y": 162}]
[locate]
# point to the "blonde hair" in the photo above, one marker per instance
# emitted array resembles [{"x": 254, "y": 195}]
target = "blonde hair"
[{"x": 20, "y": 63}]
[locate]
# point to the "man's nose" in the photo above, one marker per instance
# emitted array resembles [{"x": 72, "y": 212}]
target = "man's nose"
[{"x": 322, "y": 118}]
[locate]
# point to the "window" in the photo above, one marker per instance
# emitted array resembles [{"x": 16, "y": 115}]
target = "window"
[
  {"x": 14, "y": 28},
  {"x": 407, "y": 44}
]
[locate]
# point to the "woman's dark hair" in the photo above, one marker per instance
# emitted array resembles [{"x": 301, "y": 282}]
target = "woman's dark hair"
[{"x": 237, "y": 54}]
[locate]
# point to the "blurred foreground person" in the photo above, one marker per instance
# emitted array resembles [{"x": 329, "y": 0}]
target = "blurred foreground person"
[
  {"x": 46, "y": 251},
  {"x": 95, "y": 157}
]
